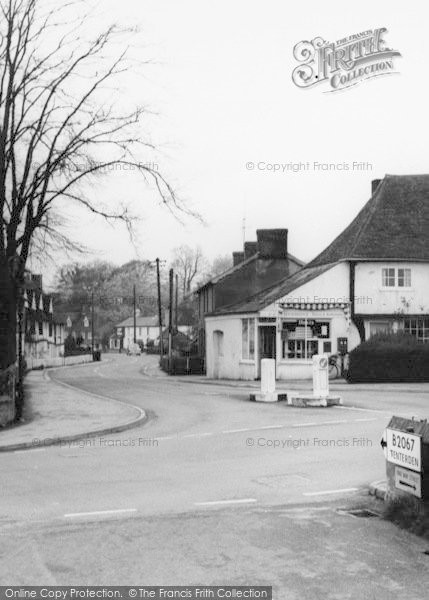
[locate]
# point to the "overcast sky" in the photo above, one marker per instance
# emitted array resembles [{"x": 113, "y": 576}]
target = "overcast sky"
[{"x": 222, "y": 90}]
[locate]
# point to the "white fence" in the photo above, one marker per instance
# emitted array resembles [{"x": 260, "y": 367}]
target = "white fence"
[{"x": 61, "y": 361}]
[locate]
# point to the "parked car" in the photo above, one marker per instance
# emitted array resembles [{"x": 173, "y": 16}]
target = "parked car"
[{"x": 134, "y": 350}]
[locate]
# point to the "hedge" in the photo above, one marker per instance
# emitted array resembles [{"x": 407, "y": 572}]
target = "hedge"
[
  {"x": 183, "y": 366},
  {"x": 389, "y": 358}
]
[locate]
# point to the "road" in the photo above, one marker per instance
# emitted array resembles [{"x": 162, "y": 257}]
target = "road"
[{"x": 214, "y": 489}]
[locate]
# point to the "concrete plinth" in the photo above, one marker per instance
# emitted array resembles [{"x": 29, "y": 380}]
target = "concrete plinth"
[
  {"x": 268, "y": 397},
  {"x": 311, "y": 401}
]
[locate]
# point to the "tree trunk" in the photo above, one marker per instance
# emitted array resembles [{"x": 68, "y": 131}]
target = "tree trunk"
[{"x": 8, "y": 314}]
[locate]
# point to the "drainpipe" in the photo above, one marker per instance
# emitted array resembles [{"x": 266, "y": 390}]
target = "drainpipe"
[{"x": 357, "y": 321}]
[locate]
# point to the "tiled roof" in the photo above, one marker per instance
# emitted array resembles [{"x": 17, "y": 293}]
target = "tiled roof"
[
  {"x": 140, "y": 322},
  {"x": 270, "y": 295},
  {"x": 238, "y": 267},
  {"x": 393, "y": 224}
]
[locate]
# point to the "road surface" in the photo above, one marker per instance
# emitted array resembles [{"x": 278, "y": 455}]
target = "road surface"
[{"x": 213, "y": 489}]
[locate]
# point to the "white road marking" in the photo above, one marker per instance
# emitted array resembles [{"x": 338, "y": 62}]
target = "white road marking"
[
  {"x": 101, "y": 512},
  {"x": 216, "y": 502},
  {"x": 239, "y": 430},
  {"x": 370, "y": 410},
  {"x": 29, "y": 450},
  {"x": 343, "y": 491}
]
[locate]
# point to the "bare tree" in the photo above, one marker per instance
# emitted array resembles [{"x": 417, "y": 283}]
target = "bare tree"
[
  {"x": 60, "y": 127},
  {"x": 188, "y": 263},
  {"x": 220, "y": 264}
]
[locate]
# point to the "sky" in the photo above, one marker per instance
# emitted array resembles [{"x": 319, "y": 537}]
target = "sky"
[{"x": 221, "y": 92}]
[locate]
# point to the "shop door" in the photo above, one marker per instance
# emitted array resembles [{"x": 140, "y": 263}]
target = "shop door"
[{"x": 267, "y": 343}]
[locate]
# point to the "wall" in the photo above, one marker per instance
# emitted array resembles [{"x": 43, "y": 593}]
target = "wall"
[
  {"x": 37, "y": 363},
  {"x": 372, "y": 298},
  {"x": 231, "y": 366}
]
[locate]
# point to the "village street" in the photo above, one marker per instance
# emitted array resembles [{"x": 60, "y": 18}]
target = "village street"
[{"x": 221, "y": 489}]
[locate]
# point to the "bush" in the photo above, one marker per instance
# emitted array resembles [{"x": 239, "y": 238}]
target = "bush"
[
  {"x": 408, "y": 514},
  {"x": 395, "y": 357}
]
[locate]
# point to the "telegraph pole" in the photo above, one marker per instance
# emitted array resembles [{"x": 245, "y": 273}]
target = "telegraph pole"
[
  {"x": 92, "y": 323},
  {"x": 177, "y": 304},
  {"x": 170, "y": 322},
  {"x": 134, "y": 315},
  {"x": 158, "y": 277}
]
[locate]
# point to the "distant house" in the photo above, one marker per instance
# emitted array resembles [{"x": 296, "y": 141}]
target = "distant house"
[
  {"x": 147, "y": 329},
  {"x": 78, "y": 326},
  {"x": 373, "y": 277},
  {"x": 44, "y": 332},
  {"x": 260, "y": 265}
]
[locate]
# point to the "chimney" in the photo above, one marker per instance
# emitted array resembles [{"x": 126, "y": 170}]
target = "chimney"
[
  {"x": 250, "y": 248},
  {"x": 237, "y": 258},
  {"x": 374, "y": 185},
  {"x": 272, "y": 243}
]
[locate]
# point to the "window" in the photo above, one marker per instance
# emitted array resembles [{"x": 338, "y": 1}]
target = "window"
[
  {"x": 418, "y": 327},
  {"x": 388, "y": 277},
  {"x": 379, "y": 327},
  {"x": 40, "y": 328},
  {"x": 404, "y": 277},
  {"x": 391, "y": 277},
  {"x": 300, "y": 339},
  {"x": 50, "y": 330},
  {"x": 248, "y": 339}
]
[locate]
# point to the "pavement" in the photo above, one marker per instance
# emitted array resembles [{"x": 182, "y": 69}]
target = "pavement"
[
  {"x": 58, "y": 413},
  {"x": 212, "y": 489}
]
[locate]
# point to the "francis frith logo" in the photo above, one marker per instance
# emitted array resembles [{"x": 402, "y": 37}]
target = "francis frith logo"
[{"x": 344, "y": 63}]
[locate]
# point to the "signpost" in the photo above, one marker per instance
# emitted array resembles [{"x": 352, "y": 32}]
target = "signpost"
[
  {"x": 404, "y": 449},
  {"x": 408, "y": 481}
]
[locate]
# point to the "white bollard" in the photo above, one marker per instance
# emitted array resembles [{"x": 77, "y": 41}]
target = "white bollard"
[
  {"x": 268, "y": 376},
  {"x": 320, "y": 375},
  {"x": 268, "y": 383}
]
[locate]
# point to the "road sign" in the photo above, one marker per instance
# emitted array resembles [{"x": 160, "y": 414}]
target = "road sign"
[
  {"x": 408, "y": 481},
  {"x": 404, "y": 449}
]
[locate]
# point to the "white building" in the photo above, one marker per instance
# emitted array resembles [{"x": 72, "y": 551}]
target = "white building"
[
  {"x": 147, "y": 329},
  {"x": 43, "y": 333},
  {"x": 373, "y": 277}
]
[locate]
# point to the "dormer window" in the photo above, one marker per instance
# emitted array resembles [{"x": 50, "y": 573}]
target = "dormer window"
[{"x": 391, "y": 277}]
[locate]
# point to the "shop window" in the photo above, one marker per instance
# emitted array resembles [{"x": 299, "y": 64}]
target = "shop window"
[
  {"x": 248, "y": 339},
  {"x": 300, "y": 339},
  {"x": 379, "y": 327},
  {"x": 418, "y": 327}
]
